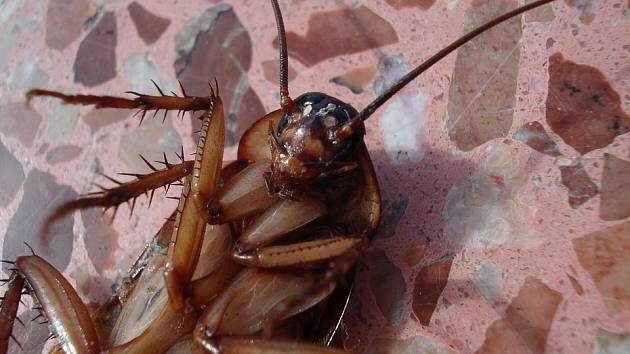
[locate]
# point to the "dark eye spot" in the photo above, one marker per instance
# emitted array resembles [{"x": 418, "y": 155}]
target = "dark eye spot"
[
  {"x": 571, "y": 87},
  {"x": 329, "y": 121}
]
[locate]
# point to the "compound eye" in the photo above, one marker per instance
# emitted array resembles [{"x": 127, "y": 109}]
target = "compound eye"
[
  {"x": 330, "y": 121},
  {"x": 338, "y": 115}
]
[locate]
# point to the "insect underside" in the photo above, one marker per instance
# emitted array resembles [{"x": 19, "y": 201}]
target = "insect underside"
[{"x": 257, "y": 254}]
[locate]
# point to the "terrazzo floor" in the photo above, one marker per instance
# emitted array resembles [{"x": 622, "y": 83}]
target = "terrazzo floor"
[{"x": 504, "y": 170}]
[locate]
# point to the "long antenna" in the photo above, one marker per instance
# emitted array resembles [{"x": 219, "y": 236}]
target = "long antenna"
[
  {"x": 285, "y": 101},
  {"x": 374, "y": 105}
]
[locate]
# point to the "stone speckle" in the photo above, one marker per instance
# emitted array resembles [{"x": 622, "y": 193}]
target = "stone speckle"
[
  {"x": 151, "y": 140},
  {"x": 586, "y": 9},
  {"x": 150, "y": 27},
  {"x": 187, "y": 36},
  {"x": 402, "y": 4},
  {"x": 8, "y": 8},
  {"x": 387, "y": 284},
  {"x": 392, "y": 212},
  {"x": 19, "y": 121},
  {"x": 414, "y": 255},
  {"x": 356, "y": 80},
  {"x": 485, "y": 210},
  {"x": 428, "y": 287},
  {"x": 140, "y": 70},
  {"x": 95, "y": 62},
  {"x": 153, "y": 137},
  {"x": 346, "y": 31},
  {"x": 483, "y": 89},
  {"x": 27, "y": 75},
  {"x": 389, "y": 70},
  {"x": 534, "y": 135},
  {"x": 576, "y": 285},
  {"x": 543, "y": 14},
  {"x": 612, "y": 343},
  {"x": 582, "y": 107},
  {"x": 62, "y": 119},
  {"x": 272, "y": 71},
  {"x": 220, "y": 47},
  {"x": 41, "y": 196},
  {"x": 64, "y": 21},
  {"x": 11, "y": 176},
  {"x": 99, "y": 118},
  {"x": 63, "y": 153},
  {"x": 604, "y": 254},
  {"x": 488, "y": 278},
  {"x": 615, "y": 191},
  {"x": 527, "y": 321},
  {"x": 402, "y": 127},
  {"x": 101, "y": 239},
  {"x": 579, "y": 185},
  {"x": 10, "y": 32}
]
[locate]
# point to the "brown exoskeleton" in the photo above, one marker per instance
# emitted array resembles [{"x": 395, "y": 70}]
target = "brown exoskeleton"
[{"x": 255, "y": 246}]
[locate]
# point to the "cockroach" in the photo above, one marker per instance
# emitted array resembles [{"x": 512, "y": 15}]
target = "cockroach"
[{"x": 256, "y": 247}]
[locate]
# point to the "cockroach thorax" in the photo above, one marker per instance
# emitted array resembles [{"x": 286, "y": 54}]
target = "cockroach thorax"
[{"x": 307, "y": 144}]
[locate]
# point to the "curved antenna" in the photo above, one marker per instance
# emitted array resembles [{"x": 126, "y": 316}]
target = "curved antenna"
[
  {"x": 374, "y": 105},
  {"x": 285, "y": 101}
]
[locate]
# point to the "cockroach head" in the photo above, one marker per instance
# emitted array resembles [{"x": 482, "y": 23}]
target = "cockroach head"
[
  {"x": 317, "y": 134},
  {"x": 310, "y": 142}
]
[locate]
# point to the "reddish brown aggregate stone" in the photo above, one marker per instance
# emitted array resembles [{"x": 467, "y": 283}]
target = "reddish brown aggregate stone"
[
  {"x": 579, "y": 185},
  {"x": 582, "y": 107},
  {"x": 64, "y": 21},
  {"x": 95, "y": 61},
  {"x": 615, "y": 190},
  {"x": 338, "y": 32},
  {"x": 428, "y": 287},
  {"x": 604, "y": 254},
  {"x": 150, "y": 27},
  {"x": 527, "y": 321},
  {"x": 483, "y": 91}
]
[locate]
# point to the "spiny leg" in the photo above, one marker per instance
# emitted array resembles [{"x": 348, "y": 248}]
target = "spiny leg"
[
  {"x": 192, "y": 214},
  {"x": 8, "y": 311},
  {"x": 142, "y": 102},
  {"x": 67, "y": 314},
  {"x": 302, "y": 254},
  {"x": 162, "y": 239},
  {"x": 113, "y": 197}
]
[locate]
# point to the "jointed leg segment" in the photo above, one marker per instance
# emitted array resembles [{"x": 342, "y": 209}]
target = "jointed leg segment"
[
  {"x": 124, "y": 192},
  {"x": 8, "y": 312},
  {"x": 142, "y": 102}
]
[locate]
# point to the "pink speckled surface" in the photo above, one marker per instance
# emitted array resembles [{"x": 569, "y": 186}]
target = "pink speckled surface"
[{"x": 479, "y": 247}]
